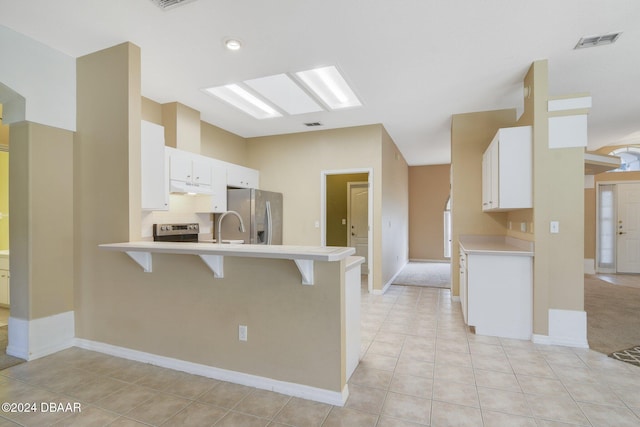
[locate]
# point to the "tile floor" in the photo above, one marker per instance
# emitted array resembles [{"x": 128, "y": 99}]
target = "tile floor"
[{"x": 420, "y": 366}]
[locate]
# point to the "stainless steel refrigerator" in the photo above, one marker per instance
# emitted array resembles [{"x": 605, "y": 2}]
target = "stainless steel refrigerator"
[{"x": 261, "y": 212}]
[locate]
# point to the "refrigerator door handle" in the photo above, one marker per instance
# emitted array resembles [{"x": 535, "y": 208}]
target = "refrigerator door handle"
[{"x": 269, "y": 223}]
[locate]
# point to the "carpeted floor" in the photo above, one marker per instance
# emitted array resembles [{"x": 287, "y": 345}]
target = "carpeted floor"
[
  {"x": 613, "y": 315},
  {"x": 431, "y": 274}
]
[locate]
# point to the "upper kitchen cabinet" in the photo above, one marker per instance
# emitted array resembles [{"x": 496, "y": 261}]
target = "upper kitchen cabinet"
[
  {"x": 242, "y": 177},
  {"x": 189, "y": 172},
  {"x": 218, "y": 201},
  {"x": 154, "y": 182},
  {"x": 507, "y": 171}
]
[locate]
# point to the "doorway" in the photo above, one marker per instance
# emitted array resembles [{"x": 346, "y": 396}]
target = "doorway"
[
  {"x": 336, "y": 208},
  {"x": 358, "y": 220},
  {"x": 618, "y": 227}
]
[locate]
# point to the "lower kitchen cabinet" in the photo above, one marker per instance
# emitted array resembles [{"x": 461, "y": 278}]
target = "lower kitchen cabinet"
[
  {"x": 4, "y": 287},
  {"x": 4, "y": 281},
  {"x": 499, "y": 295}
]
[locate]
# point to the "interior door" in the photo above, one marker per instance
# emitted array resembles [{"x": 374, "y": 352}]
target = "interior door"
[
  {"x": 358, "y": 226},
  {"x": 628, "y": 228}
]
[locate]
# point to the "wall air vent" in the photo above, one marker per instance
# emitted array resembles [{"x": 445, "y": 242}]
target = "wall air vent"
[
  {"x": 312, "y": 124},
  {"x": 593, "y": 41},
  {"x": 170, "y": 4}
]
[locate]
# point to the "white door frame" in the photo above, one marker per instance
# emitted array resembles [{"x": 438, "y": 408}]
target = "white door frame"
[
  {"x": 615, "y": 206},
  {"x": 323, "y": 212}
]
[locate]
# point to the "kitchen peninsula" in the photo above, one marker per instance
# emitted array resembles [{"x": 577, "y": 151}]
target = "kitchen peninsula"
[{"x": 279, "y": 317}]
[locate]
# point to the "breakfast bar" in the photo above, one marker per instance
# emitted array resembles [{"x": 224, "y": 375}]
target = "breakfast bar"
[
  {"x": 213, "y": 254},
  {"x": 251, "y": 322}
]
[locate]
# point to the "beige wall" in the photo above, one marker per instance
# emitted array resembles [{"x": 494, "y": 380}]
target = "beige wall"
[
  {"x": 107, "y": 137},
  {"x": 41, "y": 179},
  {"x": 428, "y": 195},
  {"x": 471, "y": 134},
  {"x": 394, "y": 221},
  {"x": 214, "y": 142},
  {"x": 306, "y": 155},
  {"x": 559, "y": 258},
  {"x": 223, "y": 145}
]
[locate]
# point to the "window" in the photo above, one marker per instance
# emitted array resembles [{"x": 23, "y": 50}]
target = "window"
[
  {"x": 630, "y": 159},
  {"x": 606, "y": 227}
]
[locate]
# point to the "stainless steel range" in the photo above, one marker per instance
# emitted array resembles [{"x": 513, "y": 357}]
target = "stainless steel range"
[{"x": 176, "y": 232}]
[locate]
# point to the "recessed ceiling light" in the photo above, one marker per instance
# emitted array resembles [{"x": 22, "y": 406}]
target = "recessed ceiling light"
[
  {"x": 329, "y": 85},
  {"x": 285, "y": 93},
  {"x": 592, "y": 41},
  {"x": 244, "y": 100},
  {"x": 232, "y": 44}
]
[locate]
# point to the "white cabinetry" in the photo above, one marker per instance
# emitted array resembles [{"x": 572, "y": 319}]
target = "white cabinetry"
[
  {"x": 463, "y": 285},
  {"x": 4, "y": 281},
  {"x": 189, "y": 172},
  {"x": 219, "y": 187},
  {"x": 242, "y": 177},
  {"x": 218, "y": 201},
  {"x": 507, "y": 171},
  {"x": 154, "y": 182},
  {"x": 496, "y": 285}
]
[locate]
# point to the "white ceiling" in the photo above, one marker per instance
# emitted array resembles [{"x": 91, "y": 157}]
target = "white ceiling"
[{"x": 413, "y": 63}]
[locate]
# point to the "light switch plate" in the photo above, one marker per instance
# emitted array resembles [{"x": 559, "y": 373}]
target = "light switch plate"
[{"x": 554, "y": 227}]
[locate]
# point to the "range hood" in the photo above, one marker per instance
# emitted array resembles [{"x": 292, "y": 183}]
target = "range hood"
[{"x": 181, "y": 187}]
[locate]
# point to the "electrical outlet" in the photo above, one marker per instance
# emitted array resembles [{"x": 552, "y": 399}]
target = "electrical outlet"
[{"x": 242, "y": 332}]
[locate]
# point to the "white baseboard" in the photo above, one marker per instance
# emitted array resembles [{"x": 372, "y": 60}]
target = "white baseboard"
[
  {"x": 291, "y": 389},
  {"x": 389, "y": 282},
  {"x": 33, "y": 339},
  {"x": 589, "y": 266},
  {"x": 567, "y": 328},
  {"x": 383, "y": 290}
]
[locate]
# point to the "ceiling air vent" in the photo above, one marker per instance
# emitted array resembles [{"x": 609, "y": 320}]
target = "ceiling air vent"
[
  {"x": 311, "y": 124},
  {"x": 593, "y": 41},
  {"x": 170, "y": 4}
]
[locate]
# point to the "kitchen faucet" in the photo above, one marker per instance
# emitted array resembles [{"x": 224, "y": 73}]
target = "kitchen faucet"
[{"x": 219, "y": 227}]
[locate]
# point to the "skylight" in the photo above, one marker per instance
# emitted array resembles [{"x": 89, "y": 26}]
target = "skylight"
[
  {"x": 329, "y": 85},
  {"x": 283, "y": 92},
  {"x": 305, "y": 92},
  {"x": 245, "y": 101}
]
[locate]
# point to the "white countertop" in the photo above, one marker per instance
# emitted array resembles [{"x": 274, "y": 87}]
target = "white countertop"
[
  {"x": 495, "y": 245},
  {"x": 314, "y": 253}
]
